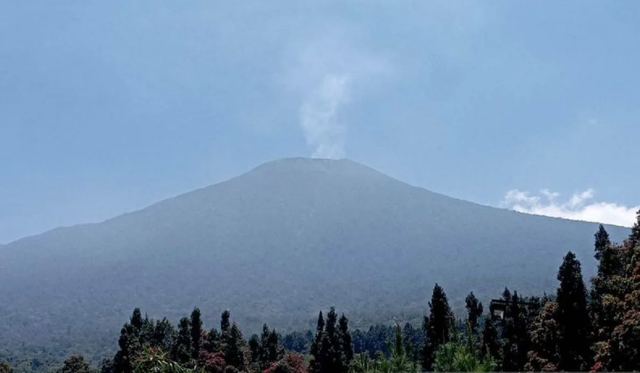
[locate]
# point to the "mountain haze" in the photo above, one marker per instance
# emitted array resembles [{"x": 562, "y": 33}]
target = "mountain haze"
[{"x": 276, "y": 245}]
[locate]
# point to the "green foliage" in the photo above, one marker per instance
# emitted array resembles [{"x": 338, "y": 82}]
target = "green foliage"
[
  {"x": 182, "y": 349},
  {"x": 437, "y": 327},
  {"x": 573, "y": 317},
  {"x": 5, "y": 367},
  {"x": 331, "y": 349},
  {"x": 196, "y": 333},
  {"x": 459, "y": 355},
  {"x": 76, "y": 364},
  {"x": 545, "y": 339},
  {"x": 474, "y": 311}
]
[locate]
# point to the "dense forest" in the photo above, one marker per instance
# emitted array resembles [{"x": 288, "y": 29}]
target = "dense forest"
[{"x": 594, "y": 327}]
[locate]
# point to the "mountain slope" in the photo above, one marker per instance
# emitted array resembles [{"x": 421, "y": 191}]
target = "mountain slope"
[{"x": 276, "y": 245}]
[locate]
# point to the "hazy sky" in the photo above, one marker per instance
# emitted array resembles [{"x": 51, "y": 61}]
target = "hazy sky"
[{"x": 109, "y": 106}]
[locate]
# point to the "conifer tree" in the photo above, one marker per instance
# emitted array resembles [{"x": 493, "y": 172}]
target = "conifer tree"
[
  {"x": 573, "y": 317},
  {"x": 254, "y": 348},
  {"x": 601, "y": 241},
  {"x": 235, "y": 349},
  {"x": 163, "y": 334},
  {"x": 225, "y": 324},
  {"x": 76, "y": 364},
  {"x": 317, "y": 359},
  {"x": 129, "y": 344},
  {"x": 545, "y": 336},
  {"x": 490, "y": 341},
  {"x": 474, "y": 311},
  {"x": 196, "y": 333},
  {"x": 437, "y": 326},
  {"x": 345, "y": 341},
  {"x": 182, "y": 348}
]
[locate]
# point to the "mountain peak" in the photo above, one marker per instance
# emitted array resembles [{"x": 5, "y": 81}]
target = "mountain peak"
[{"x": 344, "y": 166}]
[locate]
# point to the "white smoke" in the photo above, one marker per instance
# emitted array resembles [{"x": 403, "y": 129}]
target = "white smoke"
[
  {"x": 326, "y": 73},
  {"x": 319, "y": 117},
  {"x": 578, "y": 207}
]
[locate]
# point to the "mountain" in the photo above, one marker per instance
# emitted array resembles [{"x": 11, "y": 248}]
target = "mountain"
[{"x": 276, "y": 245}]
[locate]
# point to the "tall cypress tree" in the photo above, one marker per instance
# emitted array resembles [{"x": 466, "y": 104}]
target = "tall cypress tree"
[
  {"x": 601, "y": 241},
  {"x": 474, "y": 311},
  {"x": 129, "y": 343},
  {"x": 196, "y": 333},
  {"x": 437, "y": 326},
  {"x": 235, "y": 349},
  {"x": 317, "y": 359},
  {"x": 182, "y": 349},
  {"x": 345, "y": 341},
  {"x": 490, "y": 340},
  {"x": 225, "y": 323},
  {"x": 573, "y": 317}
]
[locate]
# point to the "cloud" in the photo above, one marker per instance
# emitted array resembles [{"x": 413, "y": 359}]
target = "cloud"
[
  {"x": 578, "y": 207},
  {"x": 326, "y": 72}
]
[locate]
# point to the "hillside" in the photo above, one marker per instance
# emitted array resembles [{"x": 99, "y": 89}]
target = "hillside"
[{"x": 277, "y": 244}]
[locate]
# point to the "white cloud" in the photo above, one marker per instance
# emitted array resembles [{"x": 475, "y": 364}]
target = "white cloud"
[{"x": 578, "y": 207}]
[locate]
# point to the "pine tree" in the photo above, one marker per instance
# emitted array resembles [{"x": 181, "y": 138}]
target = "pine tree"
[
  {"x": 346, "y": 344},
  {"x": 136, "y": 319},
  {"x": 317, "y": 359},
  {"x": 182, "y": 348},
  {"x": 601, "y": 241},
  {"x": 270, "y": 350},
  {"x": 163, "y": 335},
  {"x": 76, "y": 364},
  {"x": 235, "y": 349},
  {"x": 212, "y": 343},
  {"x": 129, "y": 344},
  {"x": 573, "y": 317},
  {"x": 490, "y": 341},
  {"x": 196, "y": 333},
  {"x": 437, "y": 326},
  {"x": 254, "y": 348},
  {"x": 545, "y": 337},
  {"x": 474, "y": 311},
  {"x": 225, "y": 324}
]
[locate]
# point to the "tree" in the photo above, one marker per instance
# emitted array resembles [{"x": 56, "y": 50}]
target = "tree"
[
  {"x": 474, "y": 311},
  {"x": 345, "y": 340},
  {"x": 317, "y": 358},
  {"x": 291, "y": 363},
  {"x": 235, "y": 348},
  {"x": 130, "y": 346},
  {"x": 196, "y": 333},
  {"x": 76, "y": 364},
  {"x": 225, "y": 324},
  {"x": 490, "y": 341},
  {"x": 163, "y": 335},
  {"x": 573, "y": 317},
  {"x": 601, "y": 241},
  {"x": 437, "y": 326},
  {"x": 457, "y": 355},
  {"x": 331, "y": 349},
  {"x": 545, "y": 337},
  {"x": 5, "y": 367},
  {"x": 269, "y": 350},
  {"x": 182, "y": 349}
]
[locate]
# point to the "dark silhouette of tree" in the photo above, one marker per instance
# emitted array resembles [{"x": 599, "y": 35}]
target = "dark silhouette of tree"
[
  {"x": 474, "y": 311},
  {"x": 182, "y": 349},
  {"x": 76, "y": 364},
  {"x": 196, "y": 333},
  {"x": 437, "y": 326},
  {"x": 573, "y": 317},
  {"x": 490, "y": 340}
]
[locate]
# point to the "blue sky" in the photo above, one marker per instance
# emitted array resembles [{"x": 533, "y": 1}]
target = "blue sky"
[{"x": 109, "y": 106}]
